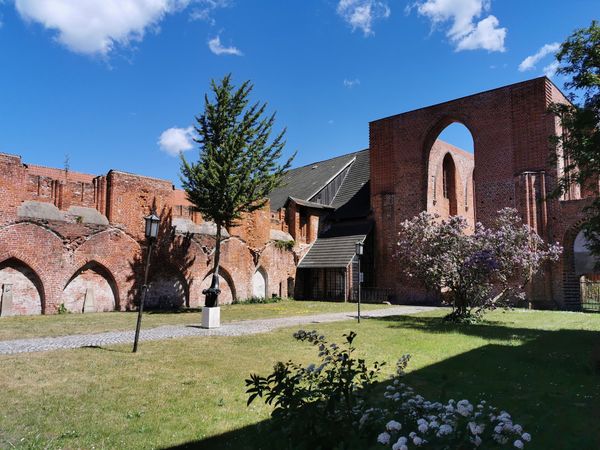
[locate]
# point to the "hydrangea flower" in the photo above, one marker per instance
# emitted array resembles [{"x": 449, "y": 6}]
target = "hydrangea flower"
[
  {"x": 384, "y": 438},
  {"x": 392, "y": 425}
]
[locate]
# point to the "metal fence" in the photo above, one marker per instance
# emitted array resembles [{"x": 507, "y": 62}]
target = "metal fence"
[
  {"x": 372, "y": 295},
  {"x": 590, "y": 296},
  {"x": 335, "y": 294}
]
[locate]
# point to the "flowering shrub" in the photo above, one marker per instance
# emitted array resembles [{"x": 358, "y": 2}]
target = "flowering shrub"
[
  {"x": 418, "y": 422},
  {"x": 476, "y": 272},
  {"x": 318, "y": 406},
  {"x": 333, "y": 406}
]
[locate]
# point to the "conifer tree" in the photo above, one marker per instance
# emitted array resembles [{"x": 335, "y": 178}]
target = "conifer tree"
[{"x": 238, "y": 164}]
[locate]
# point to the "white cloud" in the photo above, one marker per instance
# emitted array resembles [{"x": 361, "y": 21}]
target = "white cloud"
[
  {"x": 466, "y": 31},
  {"x": 96, "y": 26},
  {"x": 360, "y": 14},
  {"x": 530, "y": 62},
  {"x": 219, "y": 49},
  {"x": 176, "y": 140},
  {"x": 205, "y": 9},
  {"x": 351, "y": 83},
  {"x": 486, "y": 36},
  {"x": 550, "y": 69}
]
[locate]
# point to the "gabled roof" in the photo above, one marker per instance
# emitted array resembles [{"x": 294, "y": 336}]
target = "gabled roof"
[
  {"x": 353, "y": 199},
  {"x": 304, "y": 182},
  {"x": 336, "y": 247},
  {"x": 309, "y": 204}
]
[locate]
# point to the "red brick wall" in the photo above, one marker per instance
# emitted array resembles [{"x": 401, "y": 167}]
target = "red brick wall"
[
  {"x": 463, "y": 182},
  {"x": 69, "y": 257},
  {"x": 510, "y": 128}
]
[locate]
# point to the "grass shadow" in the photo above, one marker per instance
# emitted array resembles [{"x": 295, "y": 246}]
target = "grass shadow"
[
  {"x": 106, "y": 349},
  {"x": 173, "y": 311},
  {"x": 548, "y": 380}
]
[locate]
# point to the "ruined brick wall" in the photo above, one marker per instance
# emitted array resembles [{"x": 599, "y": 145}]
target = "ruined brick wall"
[
  {"x": 78, "y": 240},
  {"x": 510, "y": 128},
  {"x": 460, "y": 187}
]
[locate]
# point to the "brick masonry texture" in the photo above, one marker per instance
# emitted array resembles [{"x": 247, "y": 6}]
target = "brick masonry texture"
[
  {"x": 46, "y": 263},
  {"x": 78, "y": 240},
  {"x": 512, "y": 167}
]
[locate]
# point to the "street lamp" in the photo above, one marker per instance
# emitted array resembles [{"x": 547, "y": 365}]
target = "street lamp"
[
  {"x": 359, "y": 250},
  {"x": 151, "y": 232}
]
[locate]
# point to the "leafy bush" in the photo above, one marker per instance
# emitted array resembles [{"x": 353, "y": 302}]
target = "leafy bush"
[
  {"x": 260, "y": 300},
  {"x": 334, "y": 406},
  {"x": 284, "y": 245},
  {"x": 318, "y": 406},
  {"x": 476, "y": 272},
  {"x": 62, "y": 309}
]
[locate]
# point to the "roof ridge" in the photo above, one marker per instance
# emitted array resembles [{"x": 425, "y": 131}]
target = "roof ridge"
[{"x": 329, "y": 159}]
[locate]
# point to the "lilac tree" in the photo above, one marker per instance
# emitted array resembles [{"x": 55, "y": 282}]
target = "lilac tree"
[{"x": 474, "y": 272}]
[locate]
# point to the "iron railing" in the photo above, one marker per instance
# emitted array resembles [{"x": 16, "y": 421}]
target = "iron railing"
[
  {"x": 372, "y": 295},
  {"x": 590, "y": 296}
]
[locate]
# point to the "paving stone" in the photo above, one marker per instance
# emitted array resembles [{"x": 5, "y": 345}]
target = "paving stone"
[{"x": 241, "y": 328}]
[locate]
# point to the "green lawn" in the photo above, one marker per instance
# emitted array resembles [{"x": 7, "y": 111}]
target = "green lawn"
[
  {"x": 20, "y": 327},
  {"x": 543, "y": 367}
]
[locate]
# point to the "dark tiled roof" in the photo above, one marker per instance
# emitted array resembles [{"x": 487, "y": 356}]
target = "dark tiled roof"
[
  {"x": 310, "y": 204},
  {"x": 336, "y": 247},
  {"x": 353, "y": 198},
  {"x": 303, "y": 182}
]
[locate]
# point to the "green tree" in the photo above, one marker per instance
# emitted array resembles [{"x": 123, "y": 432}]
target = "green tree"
[
  {"x": 578, "y": 146},
  {"x": 238, "y": 164}
]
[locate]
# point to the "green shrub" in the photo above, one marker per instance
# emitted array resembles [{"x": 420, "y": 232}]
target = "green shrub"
[
  {"x": 284, "y": 245},
  {"x": 260, "y": 300},
  {"x": 318, "y": 406}
]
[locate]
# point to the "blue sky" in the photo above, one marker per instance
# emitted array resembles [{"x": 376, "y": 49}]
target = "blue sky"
[{"x": 108, "y": 81}]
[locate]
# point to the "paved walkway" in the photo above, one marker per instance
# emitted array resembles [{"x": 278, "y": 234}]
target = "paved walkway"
[{"x": 177, "y": 331}]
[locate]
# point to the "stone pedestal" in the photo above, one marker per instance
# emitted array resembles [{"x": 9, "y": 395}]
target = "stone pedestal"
[{"x": 211, "y": 317}]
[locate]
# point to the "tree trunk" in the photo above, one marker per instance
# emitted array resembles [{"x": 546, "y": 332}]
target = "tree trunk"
[{"x": 212, "y": 293}]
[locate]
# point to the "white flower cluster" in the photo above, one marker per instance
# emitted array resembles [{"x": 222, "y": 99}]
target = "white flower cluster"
[{"x": 420, "y": 423}]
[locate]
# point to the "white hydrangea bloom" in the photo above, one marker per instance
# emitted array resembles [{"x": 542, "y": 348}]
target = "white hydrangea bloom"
[
  {"x": 384, "y": 438},
  {"x": 392, "y": 425}
]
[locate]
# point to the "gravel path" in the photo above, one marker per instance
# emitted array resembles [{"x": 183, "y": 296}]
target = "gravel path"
[{"x": 178, "y": 331}]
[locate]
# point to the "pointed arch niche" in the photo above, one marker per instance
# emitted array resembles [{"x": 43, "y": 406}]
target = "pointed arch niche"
[
  {"x": 21, "y": 290},
  {"x": 450, "y": 173},
  {"x": 228, "y": 294},
  {"x": 91, "y": 289},
  {"x": 260, "y": 283}
]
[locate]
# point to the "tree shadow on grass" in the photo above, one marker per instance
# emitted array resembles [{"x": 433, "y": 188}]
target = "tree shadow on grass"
[
  {"x": 548, "y": 380},
  {"x": 173, "y": 311}
]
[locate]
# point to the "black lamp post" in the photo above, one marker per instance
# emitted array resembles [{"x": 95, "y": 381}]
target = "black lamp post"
[
  {"x": 151, "y": 232},
  {"x": 359, "y": 249}
]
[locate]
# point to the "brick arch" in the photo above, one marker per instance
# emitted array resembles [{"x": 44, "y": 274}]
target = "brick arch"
[
  {"x": 28, "y": 284},
  {"x": 168, "y": 288},
  {"x": 450, "y": 182},
  {"x": 43, "y": 251},
  {"x": 571, "y": 281},
  {"x": 510, "y": 127},
  {"x": 118, "y": 253},
  {"x": 279, "y": 264},
  {"x": 439, "y": 124},
  {"x": 106, "y": 295},
  {"x": 260, "y": 282},
  {"x": 229, "y": 291},
  {"x": 439, "y": 156}
]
